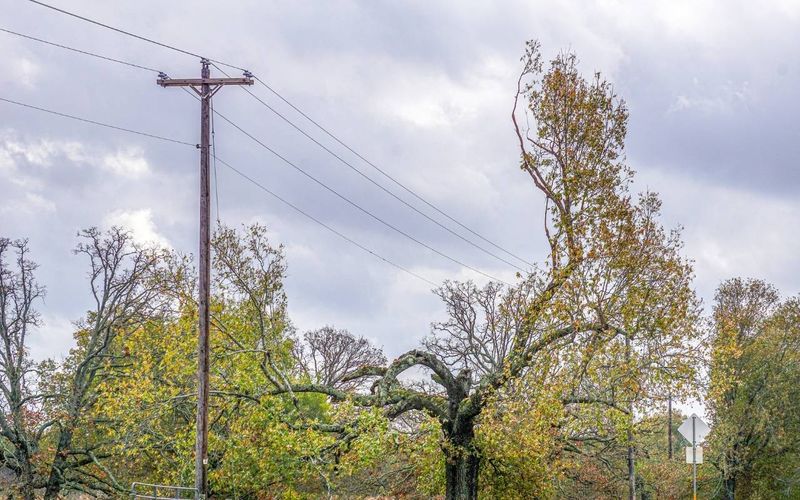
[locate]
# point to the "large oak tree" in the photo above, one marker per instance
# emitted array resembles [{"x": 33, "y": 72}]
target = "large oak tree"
[{"x": 569, "y": 306}]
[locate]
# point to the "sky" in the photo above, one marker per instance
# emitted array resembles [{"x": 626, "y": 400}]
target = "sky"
[{"x": 422, "y": 89}]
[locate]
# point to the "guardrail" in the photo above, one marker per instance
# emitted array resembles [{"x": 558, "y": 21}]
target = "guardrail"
[{"x": 145, "y": 491}]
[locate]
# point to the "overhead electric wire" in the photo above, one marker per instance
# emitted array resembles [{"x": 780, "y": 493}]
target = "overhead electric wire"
[
  {"x": 345, "y": 198},
  {"x": 356, "y": 205},
  {"x": 359, "y": 207},
  {"x": 284, "y": 159},
  {"x": 84, "y": 52},
  {"x": 214, "y": 156},
  {"x": 389, "y": 176},
  {"x": 242, "y": 174},
  {"x": 101, "y": 124},
  {"x": 326, "y": 226},
  {"x": 297, "y": 109},
  {"x": 134, "y": 35},
  {"x": 371, "y": 180}
]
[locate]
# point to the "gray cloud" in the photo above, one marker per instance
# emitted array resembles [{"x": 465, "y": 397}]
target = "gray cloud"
[{"x": 425, "y": 91}]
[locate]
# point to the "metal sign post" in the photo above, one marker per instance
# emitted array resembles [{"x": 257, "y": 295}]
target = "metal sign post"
[
  {"x": 695, "y": 431},
  {"x": 694, "y": 457}
]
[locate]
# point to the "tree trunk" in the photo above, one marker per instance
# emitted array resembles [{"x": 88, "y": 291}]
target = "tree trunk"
[
  {"x": 631, "y": 451},
  {"x": 729, "y": 488},
  {"x": 56, "y": 479},
  {"x": 27, "y": 478},
  {"x": 631, "y": 468},
  {"x": 462, "y": 463},
  {"x": 461, "y": 472},
  {"x": 669, "y": 426}
]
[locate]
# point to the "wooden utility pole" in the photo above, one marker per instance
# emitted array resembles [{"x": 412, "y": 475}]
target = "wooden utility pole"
[
  {"x": 669, "y": 424},
  {"x": 205, "y": 87}
]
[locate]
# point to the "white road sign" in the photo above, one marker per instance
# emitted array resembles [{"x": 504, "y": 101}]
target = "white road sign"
[
  {"x": 698, "y": 454},
  {"x": 701, "y": 429}
]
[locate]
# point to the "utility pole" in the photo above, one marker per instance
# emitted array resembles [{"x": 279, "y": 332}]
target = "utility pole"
[
  {"x": 669, "y": 424},
  {"x": 205, "y": 87}
]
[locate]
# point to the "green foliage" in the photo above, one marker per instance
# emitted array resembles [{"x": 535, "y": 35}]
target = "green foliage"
[{"x": 754, "y": 397}]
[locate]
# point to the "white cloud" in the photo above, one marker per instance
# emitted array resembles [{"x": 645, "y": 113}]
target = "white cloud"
[
  {"x": 725, "y": 99},
  {"x": 38, "y": 203},
  {"x": 140, "y": 224},
  {"x": 40, "y": 152},
  {"x": 53, "y": 339},
  {"x": 20, "y": 71},
  {"x": 26, "y": 203},
  {"x": 435, "y": 100},
  {"x": 731, "y": 232},
  {"x": 128, "y": 162}
]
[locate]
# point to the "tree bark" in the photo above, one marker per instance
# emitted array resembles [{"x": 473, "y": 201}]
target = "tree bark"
[
  {"x": 461, "y": 472},
  {"x": 462, "y": 464},
  {"x": 56, "y": 479},
  {"x": 631, "y": 467},
  {"x": 27, "y": 476},
  {"x": 729, "y": 488},
  {"x": 631, "y": 451}
]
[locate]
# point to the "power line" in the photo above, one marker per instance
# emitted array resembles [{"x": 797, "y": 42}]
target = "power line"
[
  {"x": 214, "y": 157},
  {"x": 326, "y": 226},
  {"x": 372, "y": 181},
  {"x": 356, "y": 205},
  {"x": 348, "y": 200},
  {"x": 297, "y": 109},
  {"x": 84, "y": 52},
  {"x": 387, "y": 175},
  {"x": 339, "y": 195},
  {"x": 359, "y": 207},
  {"x": 239, "y": 172},
  {"x": 134, "y": 35},
  {"x": 86, "y": 120}
]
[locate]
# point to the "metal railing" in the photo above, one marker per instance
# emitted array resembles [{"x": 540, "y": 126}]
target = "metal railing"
[{"x": 145, "y": 491}]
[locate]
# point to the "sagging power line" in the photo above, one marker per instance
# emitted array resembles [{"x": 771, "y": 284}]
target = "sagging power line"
[
  {"x": 351, "y": 202},
  {"x": 372, "y": 181},
  {"x": 323, "y": 129},
  {"x": 80, "y": 51},
  {"x": 356, "y": 205},
  {"x": 336, "y": 193},
  {"x": 235, "y": 170}
]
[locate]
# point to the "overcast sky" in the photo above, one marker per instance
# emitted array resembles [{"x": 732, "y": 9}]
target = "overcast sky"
[{"x": 424, "y": 90}]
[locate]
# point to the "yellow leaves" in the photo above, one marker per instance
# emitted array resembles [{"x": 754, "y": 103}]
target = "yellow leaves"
[{"x": 517, "y": 438}]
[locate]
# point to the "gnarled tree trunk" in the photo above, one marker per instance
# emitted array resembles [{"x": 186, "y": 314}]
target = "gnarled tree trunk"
[
  {"x": 56, "y": 479},
  {"x": 462, "y": 462},
  {"x": 729, "y": 488},
  {"x": 462, "y": 477}
]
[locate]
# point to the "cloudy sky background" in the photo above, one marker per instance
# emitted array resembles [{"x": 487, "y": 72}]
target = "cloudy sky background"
[{"x": 424, "y": 90}]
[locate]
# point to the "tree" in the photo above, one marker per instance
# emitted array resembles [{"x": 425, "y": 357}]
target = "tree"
[
  {"x": 753, "y": 395},
  {"x": 50, "y": 432},
  {"x": 256, "y": 444},
  {"x": 657, "y": 353},
  {"x": 573, "y": 155},
  {"x": 326, "y": 355},
  {"x": 151, "y": 402},
  {"x": 19, "y": 425}
]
